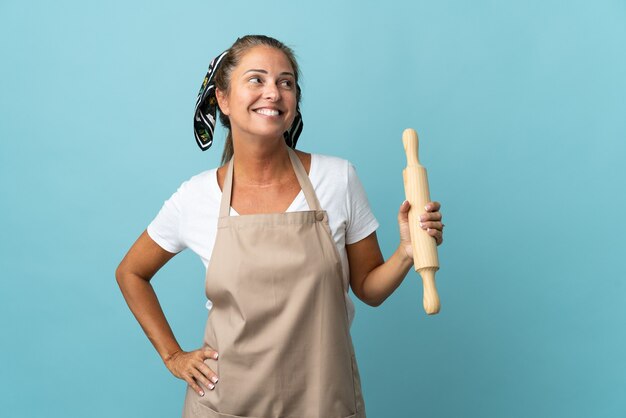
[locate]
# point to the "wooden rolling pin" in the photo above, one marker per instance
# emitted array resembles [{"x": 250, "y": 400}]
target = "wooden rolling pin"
[{"x": 424, "y": 246}]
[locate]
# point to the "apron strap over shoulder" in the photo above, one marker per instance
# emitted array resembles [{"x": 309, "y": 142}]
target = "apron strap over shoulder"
[
  {"x": 305, "y": 182},
  {"x": 227, "y": 191}
]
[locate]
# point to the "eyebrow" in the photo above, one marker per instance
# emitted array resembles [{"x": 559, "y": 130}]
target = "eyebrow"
[{"x": 265, "y": 72}]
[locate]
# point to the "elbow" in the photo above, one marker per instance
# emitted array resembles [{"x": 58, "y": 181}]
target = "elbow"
[
  {"x": 374, "y": 303},
  {"x": 370, "y": 296},
  {"x": 360, "y": 293},
  {"x": 124, "y": 275},
  {"x": 119, "y": 275}
]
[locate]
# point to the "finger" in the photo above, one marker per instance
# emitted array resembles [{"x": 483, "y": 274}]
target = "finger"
[
  {"x": 403, "y": 213},
  {"x": 438, "y": 235},
  {"x": 194, "y": 385},
  {"x": 199, "y": 377},
  {"x": 432, "y": 225},
  {"x": 208, "y": 372},
  {"x": 432, "y": 206},
  {"x": 210, "y": 353},
  {"x": 431, "y": 216}
]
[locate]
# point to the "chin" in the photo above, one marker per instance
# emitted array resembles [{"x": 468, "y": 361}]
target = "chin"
[{"x": 269, "y": 134}]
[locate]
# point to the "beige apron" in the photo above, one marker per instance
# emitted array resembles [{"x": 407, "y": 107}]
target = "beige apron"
[{"x": 279, "y": 320}]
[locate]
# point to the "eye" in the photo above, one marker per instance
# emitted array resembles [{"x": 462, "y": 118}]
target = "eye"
[
  {"x": 286, "y": 83},
  {"x": 255, "y": 80}
]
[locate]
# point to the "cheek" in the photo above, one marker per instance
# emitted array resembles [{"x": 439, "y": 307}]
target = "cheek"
[
  {"x": 244, "y": 100},
  {"x": 291, "y": 99}
]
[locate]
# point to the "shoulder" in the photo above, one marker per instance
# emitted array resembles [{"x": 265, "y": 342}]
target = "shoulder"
[
  {"x": 330, "y": 162},
  {"x": 331, "y": 168},
  {"x": 196, "y": 186},
  {"x": 199, "y": 180},
  {"x": 333, "y": 178}
]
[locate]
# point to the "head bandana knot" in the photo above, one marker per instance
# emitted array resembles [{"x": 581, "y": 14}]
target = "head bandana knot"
[{"x": 206, "y": 111}]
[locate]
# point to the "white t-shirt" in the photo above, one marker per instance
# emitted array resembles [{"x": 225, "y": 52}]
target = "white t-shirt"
[{"x": 188, "y": 219}]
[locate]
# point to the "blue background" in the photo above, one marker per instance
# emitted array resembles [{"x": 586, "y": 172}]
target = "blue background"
[{"x": 520, "y": 107}]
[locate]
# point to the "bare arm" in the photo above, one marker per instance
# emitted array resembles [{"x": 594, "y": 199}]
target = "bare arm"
[
  {"x": 373, "y": 279},
  {"x": 133, "y": 275}
]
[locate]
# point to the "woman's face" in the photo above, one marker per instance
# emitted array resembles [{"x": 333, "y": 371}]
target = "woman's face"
[{"x": 261, "y": 101}]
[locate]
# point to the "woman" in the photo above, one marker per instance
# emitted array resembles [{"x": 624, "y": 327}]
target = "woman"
[{"x": 282, "y": 233}]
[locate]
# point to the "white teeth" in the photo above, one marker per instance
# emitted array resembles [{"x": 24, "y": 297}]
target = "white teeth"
[{"x": 268, "y": 112}]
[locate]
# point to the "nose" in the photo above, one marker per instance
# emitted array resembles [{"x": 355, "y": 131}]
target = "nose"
[{"x": 271, "y": 92}]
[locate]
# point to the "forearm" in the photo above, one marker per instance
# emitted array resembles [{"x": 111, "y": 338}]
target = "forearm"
[
  {"x": 144, "y": 304},
  {"x": 385, "y": 279}
]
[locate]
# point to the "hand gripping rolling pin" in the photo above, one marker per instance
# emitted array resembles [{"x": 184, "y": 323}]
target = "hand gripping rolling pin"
[{"x": 424, "y": 246}]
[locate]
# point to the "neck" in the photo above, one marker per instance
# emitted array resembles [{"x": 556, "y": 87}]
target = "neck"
[{"x": 261, "y": 162}]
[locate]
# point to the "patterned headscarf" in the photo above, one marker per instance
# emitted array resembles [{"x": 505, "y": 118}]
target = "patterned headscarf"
[{"x": 206, "y": 110}]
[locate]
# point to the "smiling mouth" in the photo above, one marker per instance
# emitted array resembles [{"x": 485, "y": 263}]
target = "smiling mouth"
[{"x": 268, "y": 112}]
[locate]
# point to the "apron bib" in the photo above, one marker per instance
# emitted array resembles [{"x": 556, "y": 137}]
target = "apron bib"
[{"x": 279, "y": 319}]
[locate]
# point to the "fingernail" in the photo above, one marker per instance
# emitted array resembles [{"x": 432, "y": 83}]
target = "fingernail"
[
  {"x": 211, "y": 386},
  {"x": 201, "y": 393},
  {"x": 214, "y": 379},
  {"x": 422, "y": 224},
  {"x": 215, "y": 356}
]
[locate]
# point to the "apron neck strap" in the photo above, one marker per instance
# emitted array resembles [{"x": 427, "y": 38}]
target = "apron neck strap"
[
  {"x": 298, "y": 168},
  {"x": 227, "y": 190},
  {"x": 305, "y": 182}
]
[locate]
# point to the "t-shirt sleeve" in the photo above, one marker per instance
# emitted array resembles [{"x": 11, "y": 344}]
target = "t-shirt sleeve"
[
  {"x": 165, "y": 227},
  {"x": 361, "y": 220}
]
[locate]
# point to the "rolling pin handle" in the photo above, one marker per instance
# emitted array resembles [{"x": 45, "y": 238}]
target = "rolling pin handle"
[{"x": 411, "y": 145}]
